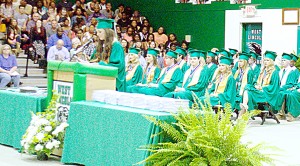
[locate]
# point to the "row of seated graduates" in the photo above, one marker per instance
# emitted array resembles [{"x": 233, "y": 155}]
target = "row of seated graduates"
[{"x": 228, "y": 76}]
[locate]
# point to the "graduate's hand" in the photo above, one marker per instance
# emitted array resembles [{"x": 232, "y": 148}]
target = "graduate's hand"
[
  {"x": 213, "y": 95},
  {"x": 153, "y": 85},
  {"x": 140, "y": 84},
  {"x": 178, "y": 89},
  {"x": 258, "y": 87}
]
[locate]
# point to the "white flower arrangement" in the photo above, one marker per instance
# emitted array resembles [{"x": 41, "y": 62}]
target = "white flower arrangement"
[{"x": 45, "y": 133}]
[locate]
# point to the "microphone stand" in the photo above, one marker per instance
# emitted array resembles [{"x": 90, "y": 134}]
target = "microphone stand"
[{"x": 82, "y": 48}]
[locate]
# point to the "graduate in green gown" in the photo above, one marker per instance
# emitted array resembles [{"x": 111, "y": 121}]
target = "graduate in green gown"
[
  {"x": 221, "y": 53},
  {"x": 134, "y": 71},
  {"x": 180, "y": 59},
  {"x": 112, "y": 51},
  {"x": 266, "y": 87},
  {"x": 169, "y": 77},
  {"x": 243, "y": 76},
  {"x": 151, "y": 72},
  {"x": 293, "y": 103},
  {"x": 288, "y": 79},
  {"x": 254, "y": 67},
  {"x": 211, "y": 64},
  {"x": 194, "y": 80},
  {"x": 223, "y": 88}
]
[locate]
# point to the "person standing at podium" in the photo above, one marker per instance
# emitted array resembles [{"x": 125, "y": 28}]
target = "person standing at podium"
[{"x": 110, "y": 51}]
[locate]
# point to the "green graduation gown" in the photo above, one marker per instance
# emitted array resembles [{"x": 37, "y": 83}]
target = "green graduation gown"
[
  {"x": 183, "y": 66},
  {"x": 117, "y": 59},
  {"x": 225, "y": 91},
  {"x": 293, "y": 101},
  {"x": 151, "y": 77},
  {"x": 169, "y": 78},
  {"x": 235, "y": 67},
  {"x": 193, "y": 81},
  {"x": 134, "y": 75},
  {"x": 270, "y": 87},
  {"x": 297, "y": 74},
  {"x": 285, "y": 84},
  {"x": 211, "y": 71},
  {"x": 242, "y": 80},
  {"x": 256, "y": 70}
]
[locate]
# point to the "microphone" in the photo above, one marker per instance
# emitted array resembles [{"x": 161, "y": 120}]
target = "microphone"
[{"x": 80, "y": 49}]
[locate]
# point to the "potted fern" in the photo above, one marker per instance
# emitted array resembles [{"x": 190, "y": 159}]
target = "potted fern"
[{"x": 200, "y": 138}]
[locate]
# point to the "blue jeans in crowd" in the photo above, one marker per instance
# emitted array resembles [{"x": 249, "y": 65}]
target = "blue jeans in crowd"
[{"x": 6, "y": 78}]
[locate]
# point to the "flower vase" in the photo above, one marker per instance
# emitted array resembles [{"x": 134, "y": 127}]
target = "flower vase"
[{"x": 42, "y": 156}]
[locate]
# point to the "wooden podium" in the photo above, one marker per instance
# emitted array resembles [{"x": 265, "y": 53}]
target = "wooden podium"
[{"x": 79, "y": 80}]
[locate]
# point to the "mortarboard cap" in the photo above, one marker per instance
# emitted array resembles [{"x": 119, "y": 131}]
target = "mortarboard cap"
[
  {"x": 180, "y": 51},
  {"x": 133, "y": 50},
  {"x": 287, "y": 56},
  {"x": 211, "y": 54},
  {"x": 270, "y": 54},
  {"x": 104, "y": 23},
  {"x": 295, "y": 57},
  {"x": 194, "y": 53},
  {"x": 254, "y": 55},
  {"x": 225, "y": 53},
  {"x": 244, "y": 56},
  {"x": 226, "y": 60},
  {"x": 172, "y": 54},
  {"x": 232, "y": 51},
  {"x": 153, "y": 52}
]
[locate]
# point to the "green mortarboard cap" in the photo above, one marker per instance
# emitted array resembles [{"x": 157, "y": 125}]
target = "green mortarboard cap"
[
  {"x": 195, "y": 53},
  {"x": 244, "y": 56},
  {"x": 172, "y": 54},
  {"x": 153, "y": 52},
  {"x": 225, "y": 53},
  {"x": 226, "y": 60},
  {"x": 254, "y": 55},
  {"x": 203, "y": 54},
  {"x": 270, "y": 54},
  {"x": 211, "y": 54},
  {"x": 104, "y": 23},
  {"x": 287, "y": 56},
  {"x": 295, "y": 57},
  {"x": 133, "y": 50},
  {"x": 232, "y": 51},
  {"x": 180, "y": 51},
  {"x": 190, "y": 50}
]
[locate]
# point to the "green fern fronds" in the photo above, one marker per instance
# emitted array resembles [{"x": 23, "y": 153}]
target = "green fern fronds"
[
  {"x": 169, "y": 129},
  {"x": 201, "y": 137}
]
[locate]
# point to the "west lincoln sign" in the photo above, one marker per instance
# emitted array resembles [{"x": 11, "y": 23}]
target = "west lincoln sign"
[{"x": 65, "y": 90}]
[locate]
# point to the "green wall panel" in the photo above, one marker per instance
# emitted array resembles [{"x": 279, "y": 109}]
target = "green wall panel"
[{"x": 205, "y": 23}]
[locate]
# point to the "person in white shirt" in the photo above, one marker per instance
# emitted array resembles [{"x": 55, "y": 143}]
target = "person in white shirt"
[{"x": 58, "y": 52}]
